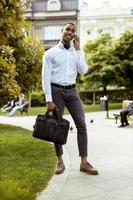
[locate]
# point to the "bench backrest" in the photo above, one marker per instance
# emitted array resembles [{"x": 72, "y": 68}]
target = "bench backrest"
[{"x": 125, "y": 103}]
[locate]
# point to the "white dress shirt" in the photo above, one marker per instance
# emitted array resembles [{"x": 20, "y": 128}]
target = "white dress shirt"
[{"x": 61, "y": 66}]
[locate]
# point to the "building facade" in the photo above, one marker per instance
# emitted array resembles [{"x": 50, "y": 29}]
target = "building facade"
[
  {"x": 47, "y": 17},
  {"x": 114, "y": 20}
]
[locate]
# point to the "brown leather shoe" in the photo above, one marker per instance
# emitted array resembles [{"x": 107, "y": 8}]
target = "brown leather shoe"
[
  {"x": 60, "y": 167},
  {"x": 122, "y": 125},
  {"x": 88, "y": 168}
]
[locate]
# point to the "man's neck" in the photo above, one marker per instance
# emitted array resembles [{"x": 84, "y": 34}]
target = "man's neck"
[{"x": 66, "y": 45}]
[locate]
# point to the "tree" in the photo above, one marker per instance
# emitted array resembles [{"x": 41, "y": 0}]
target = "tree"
[
  {"x": 29, "y": 61},
  {"x": 11, "y": 25},
  {"x": 8, "y": 85},
  {"x": 101, "y": 61},
  {"x": 123, "y": 50},
  {"x": 12, "y": 21},
  {"x": 26, "y": 52}
]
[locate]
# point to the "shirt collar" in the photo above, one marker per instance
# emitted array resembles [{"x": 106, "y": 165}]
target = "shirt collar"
[{"x": 60, "y": 44}]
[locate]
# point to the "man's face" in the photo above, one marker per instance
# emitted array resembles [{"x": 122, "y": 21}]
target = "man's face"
[{"x": 68, "y": 33}]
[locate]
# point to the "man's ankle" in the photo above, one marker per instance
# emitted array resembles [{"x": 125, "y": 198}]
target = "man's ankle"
[
  {"x": 60, "y": 166},
  {"x": 84, "y": 160},
  {"x": 60, "y": 159}
]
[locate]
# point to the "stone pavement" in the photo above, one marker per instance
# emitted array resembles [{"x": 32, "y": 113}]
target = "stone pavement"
[{"x": 110, "y": 151}]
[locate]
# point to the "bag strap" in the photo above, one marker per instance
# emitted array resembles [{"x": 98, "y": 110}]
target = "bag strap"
[{"x": 55, "y": 112}]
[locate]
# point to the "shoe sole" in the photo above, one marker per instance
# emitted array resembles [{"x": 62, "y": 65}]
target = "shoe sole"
[
  {"x": 89, "y": 172},
  {"x": 60, "y": 172},
  {"x": 121, "y": 126}
]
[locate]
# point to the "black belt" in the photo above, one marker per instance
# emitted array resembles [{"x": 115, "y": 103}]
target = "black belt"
[{"x": 63, "y": 87}]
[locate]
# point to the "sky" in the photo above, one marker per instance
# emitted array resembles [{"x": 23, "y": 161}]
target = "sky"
[{"x": 114, "y": 3}]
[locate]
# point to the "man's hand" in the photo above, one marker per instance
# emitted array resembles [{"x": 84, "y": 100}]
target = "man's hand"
[
  {"x": 76, "y": 42},
  {"x": 51, "y": 106}
]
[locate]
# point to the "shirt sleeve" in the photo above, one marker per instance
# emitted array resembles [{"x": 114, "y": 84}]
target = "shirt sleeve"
[
  {"x": 82, "y": 65},
  {"x": 46, "y": 77}
]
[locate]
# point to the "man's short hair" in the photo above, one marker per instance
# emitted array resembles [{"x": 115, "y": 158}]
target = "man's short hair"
[{"x": 69, "y": 23}]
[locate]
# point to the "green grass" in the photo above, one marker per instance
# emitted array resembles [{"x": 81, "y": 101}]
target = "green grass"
[
  {"x": 32, "y": 111},
  {"x": 87, "y": 108},
  {"x": 97, "y": 107},
  {"x": 26, "y": 165}
]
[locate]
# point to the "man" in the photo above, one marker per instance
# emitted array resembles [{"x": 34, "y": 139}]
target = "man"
[
  {"x": 125, "y": 113},
  {"x": 60, "y": 67},
  {"x": 18, "y": 105},
  {"x": 9, "y": 106}
]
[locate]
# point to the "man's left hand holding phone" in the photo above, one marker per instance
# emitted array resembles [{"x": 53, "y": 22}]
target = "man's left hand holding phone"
[{"x": 76, "y": 42}]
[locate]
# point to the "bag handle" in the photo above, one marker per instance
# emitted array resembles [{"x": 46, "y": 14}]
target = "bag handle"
[{"x": 55, "y": 112}]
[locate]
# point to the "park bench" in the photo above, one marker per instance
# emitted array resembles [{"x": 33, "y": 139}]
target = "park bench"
[
  {"x": 25, "y": 108},
  {"x": 125, "y": 103}
]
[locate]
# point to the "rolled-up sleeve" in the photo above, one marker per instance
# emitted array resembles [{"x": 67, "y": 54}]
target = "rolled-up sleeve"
[{"x": 46, "y": 77}]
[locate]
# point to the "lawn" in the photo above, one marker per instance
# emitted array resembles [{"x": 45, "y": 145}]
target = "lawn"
[
  {"x": 87, "y": 108},
  {"x": 26, "y": 166}
]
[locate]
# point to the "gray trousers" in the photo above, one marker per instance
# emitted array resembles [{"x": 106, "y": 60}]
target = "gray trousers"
[{"x": 70, "y": 99}]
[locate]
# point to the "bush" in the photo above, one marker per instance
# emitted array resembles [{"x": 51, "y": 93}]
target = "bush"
[{"x": 37, "y": 99}]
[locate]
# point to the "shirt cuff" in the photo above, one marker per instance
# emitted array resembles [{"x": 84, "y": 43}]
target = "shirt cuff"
[{"x": 48, "y": 98}]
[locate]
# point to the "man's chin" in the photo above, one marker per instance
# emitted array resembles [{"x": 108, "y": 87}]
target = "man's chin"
[{"x": 66, "y": 40}]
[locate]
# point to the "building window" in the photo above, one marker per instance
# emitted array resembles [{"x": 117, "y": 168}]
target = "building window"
[
  {"x": 52, "y": 32},
  {"x": 53, "y": 5},
  {"x": 29, "y": 7},
  {"x": 38, "y": 32}
]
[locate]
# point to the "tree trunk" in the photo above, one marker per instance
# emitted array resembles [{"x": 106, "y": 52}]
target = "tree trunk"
[
  {"x": 94, "y": 98},
  {"x": 105, "y": 90},
  {"x": 29, "y": 99}
]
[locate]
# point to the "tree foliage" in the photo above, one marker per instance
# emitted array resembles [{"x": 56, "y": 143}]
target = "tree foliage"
[
  {"x": 110, "y": 61},
  {"x": 11, "y": 25},
  {"x": 8, "y": 85},
  {"x": 11, "y": 21},
  {"x": 29, "y": 60},
  {"x": 123, "y": 50},
  {"x": 100, "y": 58},
  {"x": 23, "y": 69}
]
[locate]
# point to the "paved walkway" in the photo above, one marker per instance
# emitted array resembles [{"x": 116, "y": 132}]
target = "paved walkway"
[{"x": 110, "y": 151}]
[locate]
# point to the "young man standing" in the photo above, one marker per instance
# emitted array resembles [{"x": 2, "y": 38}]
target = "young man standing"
[{"x": 61, "y": 64}]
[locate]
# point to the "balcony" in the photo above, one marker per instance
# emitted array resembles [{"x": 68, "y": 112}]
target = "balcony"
[{"x": 49, "y": 43}]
